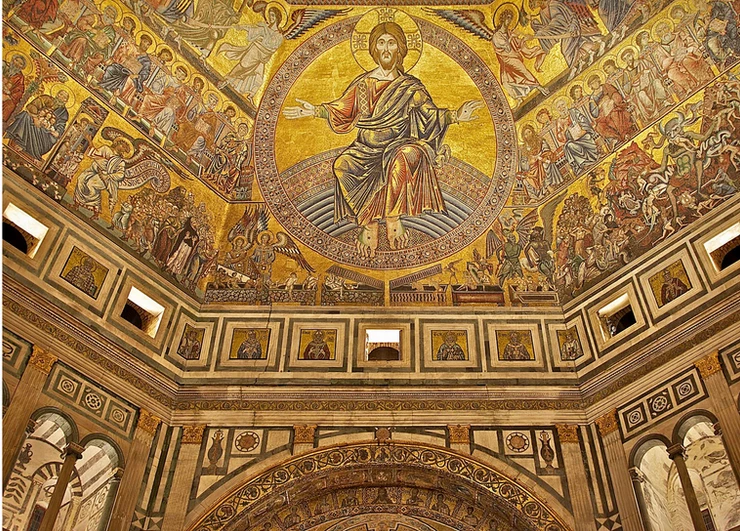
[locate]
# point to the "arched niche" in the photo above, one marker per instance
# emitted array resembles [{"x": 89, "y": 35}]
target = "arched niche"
[
  {"x": 712, "y": 477},
  {"x": 335, "y": 487}
]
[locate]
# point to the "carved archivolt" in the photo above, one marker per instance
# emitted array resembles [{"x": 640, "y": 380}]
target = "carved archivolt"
[{"x": 410, "y": 483}]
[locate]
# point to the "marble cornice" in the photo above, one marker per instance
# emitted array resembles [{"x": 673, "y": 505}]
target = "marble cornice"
[
  {"x": 132, "y": 378},
  {"x": 669, "y": 345},
  {"x": 91, "y": 348}
]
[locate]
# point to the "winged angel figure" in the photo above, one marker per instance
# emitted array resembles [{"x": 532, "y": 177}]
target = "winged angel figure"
[
  {"x": 263, "y": 40},
  {"x": 510, "y": 46},
  {"x": 250, "y": 234},
  {"x": 516, "y": 235},
  {"x": 125, "y": 164}
]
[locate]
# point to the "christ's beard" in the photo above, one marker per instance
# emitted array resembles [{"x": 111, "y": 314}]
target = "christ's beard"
[{"x": 388, "y": 61}]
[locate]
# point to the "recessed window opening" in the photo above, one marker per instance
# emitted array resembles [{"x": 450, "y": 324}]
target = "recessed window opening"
[
  {"x": 616, "y": 317},
  {"x": 725, "y": 247},
  {"x": 143, "y": 312},
  {"x": 22, "y": 231},
  {"x": 383, "y": 345}
]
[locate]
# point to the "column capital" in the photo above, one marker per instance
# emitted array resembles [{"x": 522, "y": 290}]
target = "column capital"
[
  {"x": 567, "y": 433},
  {"x": 608, "y": 423},
  {"x": 677, "y": 450},
  {"x": 148, "y": 422},
  {"x": 30, "y": 426},
  {"x": 74, "y": 450},
  {"x": 193, "y": 434},
  {"x": 118, "y": 473},
  {"x": 459, "y": 434},
  {"x": 304, "y": 434},
  {"x": 708, "y": 365},
  {"x": 42, "y": 359},
  {"x": 636, "y": 475}
]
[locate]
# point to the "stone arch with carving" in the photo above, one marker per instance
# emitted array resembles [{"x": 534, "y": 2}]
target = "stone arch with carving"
[{"x": 411, "y": 484}]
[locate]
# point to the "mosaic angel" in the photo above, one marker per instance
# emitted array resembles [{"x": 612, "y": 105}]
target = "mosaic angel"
[
  {"x": 511, "y": 47},
  {"x": 263, "y": 40},
  {"x": 124, "y": 164}
]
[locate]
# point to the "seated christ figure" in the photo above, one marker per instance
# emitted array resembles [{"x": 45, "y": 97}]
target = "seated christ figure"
[{"x": 388, "y": 172}]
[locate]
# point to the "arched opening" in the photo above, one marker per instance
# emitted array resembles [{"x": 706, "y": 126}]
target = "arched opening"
[
  {"x": 391, "y": 486},
  {"x": 384, "y": 354},
  {"x": 14, "y": 237},
  {"x": 132, "y": 315},
  {"x": 711, "y": 475},
  {"x": 731, "y": 257}
]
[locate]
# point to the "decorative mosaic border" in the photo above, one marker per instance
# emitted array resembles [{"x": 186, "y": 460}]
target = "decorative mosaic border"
[{"x": 232, "y": 508}]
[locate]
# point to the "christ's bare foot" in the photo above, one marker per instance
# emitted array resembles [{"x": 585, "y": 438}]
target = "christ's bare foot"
[
  {"x": 398, "y": 236},
  {"x": 367, "y": 240}
]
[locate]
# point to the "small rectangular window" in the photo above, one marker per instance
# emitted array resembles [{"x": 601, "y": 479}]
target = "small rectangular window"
[
  {"x": 22, "y": 231},
  {"x": 383, "y": 345},
  {"x": 143, "y": 312},
  {"x": 725, "y": 247},
  {"x": 616, "y": 317}
]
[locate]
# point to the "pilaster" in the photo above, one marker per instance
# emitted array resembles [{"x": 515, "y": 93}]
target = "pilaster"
[
  {"x": 583, "y": 511},
  {"x": 616, "y": 460},
  {"x": 23, "y": 405},
  {"x": 178, "y": 498}
]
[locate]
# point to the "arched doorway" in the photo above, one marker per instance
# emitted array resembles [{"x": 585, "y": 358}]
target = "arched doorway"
[{"x": 374, "y": 487}]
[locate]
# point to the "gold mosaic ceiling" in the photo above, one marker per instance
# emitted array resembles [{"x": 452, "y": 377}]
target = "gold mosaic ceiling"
[{"x": 263, "y": 152}]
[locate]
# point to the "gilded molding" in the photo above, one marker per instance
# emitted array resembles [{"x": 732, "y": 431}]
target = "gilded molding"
[
  {"x": 567, "y": 433},
  {"x": 303, "y": 434},
  {"x": 608, "y": 423},
  {"x": 148, "y": 422},
  {"x": 193, "y": 434},
  {"x": 708, "y": 365},
  {"x": 42, "y": 359},
  {"x": 459, "y": 434}
]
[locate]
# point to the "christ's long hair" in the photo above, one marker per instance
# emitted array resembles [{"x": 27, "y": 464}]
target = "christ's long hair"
[{"x": 395, "y": 31}]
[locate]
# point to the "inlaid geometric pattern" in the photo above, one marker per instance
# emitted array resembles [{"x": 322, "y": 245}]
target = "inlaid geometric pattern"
[
  {"x": 673, "y": 396},
  {"x": 91, "y": 400}
]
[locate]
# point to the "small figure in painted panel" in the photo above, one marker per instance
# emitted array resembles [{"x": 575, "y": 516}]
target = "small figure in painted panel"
[
  {"x": 317, "y": 349},
  {"x": 450, "y": 350},
  {"x": 251, "y": 348},
  {"x": 515, "y": 350},
  {"x": 672, "y": 288}
]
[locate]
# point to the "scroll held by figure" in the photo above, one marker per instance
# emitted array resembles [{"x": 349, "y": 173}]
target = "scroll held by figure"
[{"x": 389, "y": 172}]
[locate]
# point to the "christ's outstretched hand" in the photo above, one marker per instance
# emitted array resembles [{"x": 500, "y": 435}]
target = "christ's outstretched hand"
[
  {"x": 466, "y": 112},
  {"x": 306, "y": 110}
]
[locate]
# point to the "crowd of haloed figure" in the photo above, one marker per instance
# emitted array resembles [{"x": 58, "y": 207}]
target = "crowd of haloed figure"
[
  {"x": 107, "y": 52},
  {"x": 628, "y": 91}
]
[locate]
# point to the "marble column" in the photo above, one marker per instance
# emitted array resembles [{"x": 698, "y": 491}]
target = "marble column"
[
  {"x": 22, "y": 407},
  {"x": 110, "y": 499},
  {"x": 572, "y": 458},
  {"x": 459, "y": 438},
  {"x": 72, "y": 452},
  {"x": 638, "y": 483},
  {"x": 128, "y": 491},
  {"x": 723, "y": 406},
  {"x": 178, "y": 498},
  {"x": 303, "y": 438},
  {"x": 678, "y": 456},
  {"x": 616, "y": 461}
]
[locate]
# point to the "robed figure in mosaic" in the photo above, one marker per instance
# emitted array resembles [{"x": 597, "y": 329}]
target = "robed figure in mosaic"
[{"x": 389, "y": 171}]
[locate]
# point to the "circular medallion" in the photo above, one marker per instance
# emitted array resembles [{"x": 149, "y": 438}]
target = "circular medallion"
[
  {"x": 517, "y": 442},
  {"x": 397, "y": 196},
  {"x": 247, "y": 441},
  {"x": 93, "y": 401}
]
